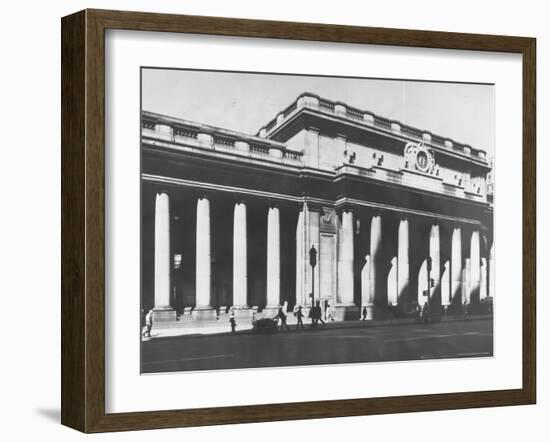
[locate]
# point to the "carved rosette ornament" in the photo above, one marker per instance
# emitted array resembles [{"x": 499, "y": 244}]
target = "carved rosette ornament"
[{"x": 418, "y": 157}]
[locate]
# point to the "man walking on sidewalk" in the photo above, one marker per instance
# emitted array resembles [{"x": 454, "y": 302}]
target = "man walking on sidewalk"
[
  {"x": 232, "y": 319},
  {"x": 299, "y": 317},
  {"x": 282, "y": 316}
]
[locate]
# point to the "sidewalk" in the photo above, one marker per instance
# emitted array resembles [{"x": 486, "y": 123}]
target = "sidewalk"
[{"x": 222, "y": 326}]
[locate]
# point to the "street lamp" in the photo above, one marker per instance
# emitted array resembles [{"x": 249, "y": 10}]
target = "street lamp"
[{"x": 312, "y": 263}]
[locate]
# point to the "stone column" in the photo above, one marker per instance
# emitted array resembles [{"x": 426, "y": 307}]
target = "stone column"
[
  {"x": 366, "y": 300},
  {"x": 375, "y": 252},
  {"x": 240, "y": 272},
  {"x": 300, "y": 295},
  {"x": 466, "y": 282},
  {"x": 446, "y": 286},
  {"x": 483, "y": 280},
  {"x": 162, "y": 310},
  {"x": 456, "y": 264},
  {"x": 435, "y": 254},
  {"x": 403, "y": 259},
  {"x": 203, "y": 304},
  {"x": 392, "y": 283},
  {"x": 475, "y": 266},
  {"x": 273, "y": 260},
  {"x": 346, "y": 277}
]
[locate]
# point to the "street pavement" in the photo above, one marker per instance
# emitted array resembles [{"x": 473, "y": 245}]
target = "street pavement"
[{"x": 355, "y": 342}]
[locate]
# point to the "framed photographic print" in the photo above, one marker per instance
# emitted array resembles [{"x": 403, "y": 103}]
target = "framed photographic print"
[{"x": 267, "y": 220}]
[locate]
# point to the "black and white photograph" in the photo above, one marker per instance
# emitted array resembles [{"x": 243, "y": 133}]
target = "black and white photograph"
[{"x": 300, "y": 220}]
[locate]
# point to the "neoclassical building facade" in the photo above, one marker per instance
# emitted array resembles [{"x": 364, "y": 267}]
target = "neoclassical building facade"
[{"x": 397, "y": 216}]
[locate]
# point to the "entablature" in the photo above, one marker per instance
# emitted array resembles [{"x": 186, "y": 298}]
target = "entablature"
[{"x": 338, "y": 118}]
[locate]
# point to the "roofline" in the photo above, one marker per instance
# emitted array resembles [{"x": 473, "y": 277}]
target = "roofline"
[
  {"x": 208, "y": 129},
  {"x": 285, "y": 111}
]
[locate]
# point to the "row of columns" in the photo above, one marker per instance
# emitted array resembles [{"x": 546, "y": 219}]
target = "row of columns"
[
  {"x": 455, "y": 277},
  {"x": 203, "y": 308},
  {"x": 452, "y": 280}
]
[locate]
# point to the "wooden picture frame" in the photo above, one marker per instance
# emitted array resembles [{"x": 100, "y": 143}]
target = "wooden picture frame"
[{"x": 83, "y": 220}]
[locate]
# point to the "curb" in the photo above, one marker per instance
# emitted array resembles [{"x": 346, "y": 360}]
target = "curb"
[{"x": 336, "y": 325}]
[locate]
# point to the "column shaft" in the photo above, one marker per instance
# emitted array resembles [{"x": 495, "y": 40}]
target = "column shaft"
[
  {"x": 273, "y": 258},
  {"x": 162, "y": 251},
  {"x": 346, "y": 293},
  {"x": 203, "y": 256},
  {"x": 393, "y": 283},
  {"x": 403, "y": 259},
  {"x": 475, "y": 266},
  {"x": 300, "y": 297},
  {"x": 483, "y": 280},
  {"x": 446, "y": 285},
  {"x": 365, "y": 283},
  {"x": 240, "y": 272},
  {"x": 375, "y": 252},
  {"x": 435, "y": 255},
  {"x": 456, "y": 264}
]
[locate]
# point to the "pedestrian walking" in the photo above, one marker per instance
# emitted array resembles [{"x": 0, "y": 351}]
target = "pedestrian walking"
[
  {"x": 364, "y": 313},
  {"x": 148, "y": 323},
  {"x": 316, "y": 315},
  {"x": 232, "y": 319},
  {"x": 282, "y": 316},
  {"x": 299, "y": 316},
  {"x": 320, "y": 313}
]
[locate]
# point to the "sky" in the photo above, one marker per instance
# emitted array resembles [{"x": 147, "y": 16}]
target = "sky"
[{"x": 245, "y": 102}]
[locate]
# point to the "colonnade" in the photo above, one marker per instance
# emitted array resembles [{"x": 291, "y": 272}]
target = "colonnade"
[{"x": 459, "y": 277}]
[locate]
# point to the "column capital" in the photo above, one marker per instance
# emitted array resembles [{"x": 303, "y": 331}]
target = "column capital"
[
  {"x": 402, "y": 216},
  {"x": 346, "y": 207},
  {"x": 240, "y": 200},
  {"x": 273, "y": 204}
]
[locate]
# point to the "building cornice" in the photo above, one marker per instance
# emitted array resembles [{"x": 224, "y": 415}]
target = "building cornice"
[{"x": 369, "y": 121}]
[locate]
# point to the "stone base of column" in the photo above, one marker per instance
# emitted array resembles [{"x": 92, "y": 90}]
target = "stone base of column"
[
  {"x": 243, "y": 313},
  {"x": 346, "y": 312},
  {"x": 204, "y": 314},
  {"x": 164, "y": 314},
  {"x": 270, "y": 311}
]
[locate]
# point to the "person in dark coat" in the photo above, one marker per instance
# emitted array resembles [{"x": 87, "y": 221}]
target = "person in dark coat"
[
  {"x": 282, "y": 316},
  {"x": 232, "y": 320},
  {"x": 319, "y": 313},
  {"x": 316, "y": 315},
  {"x": 299, "y": 317}
]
